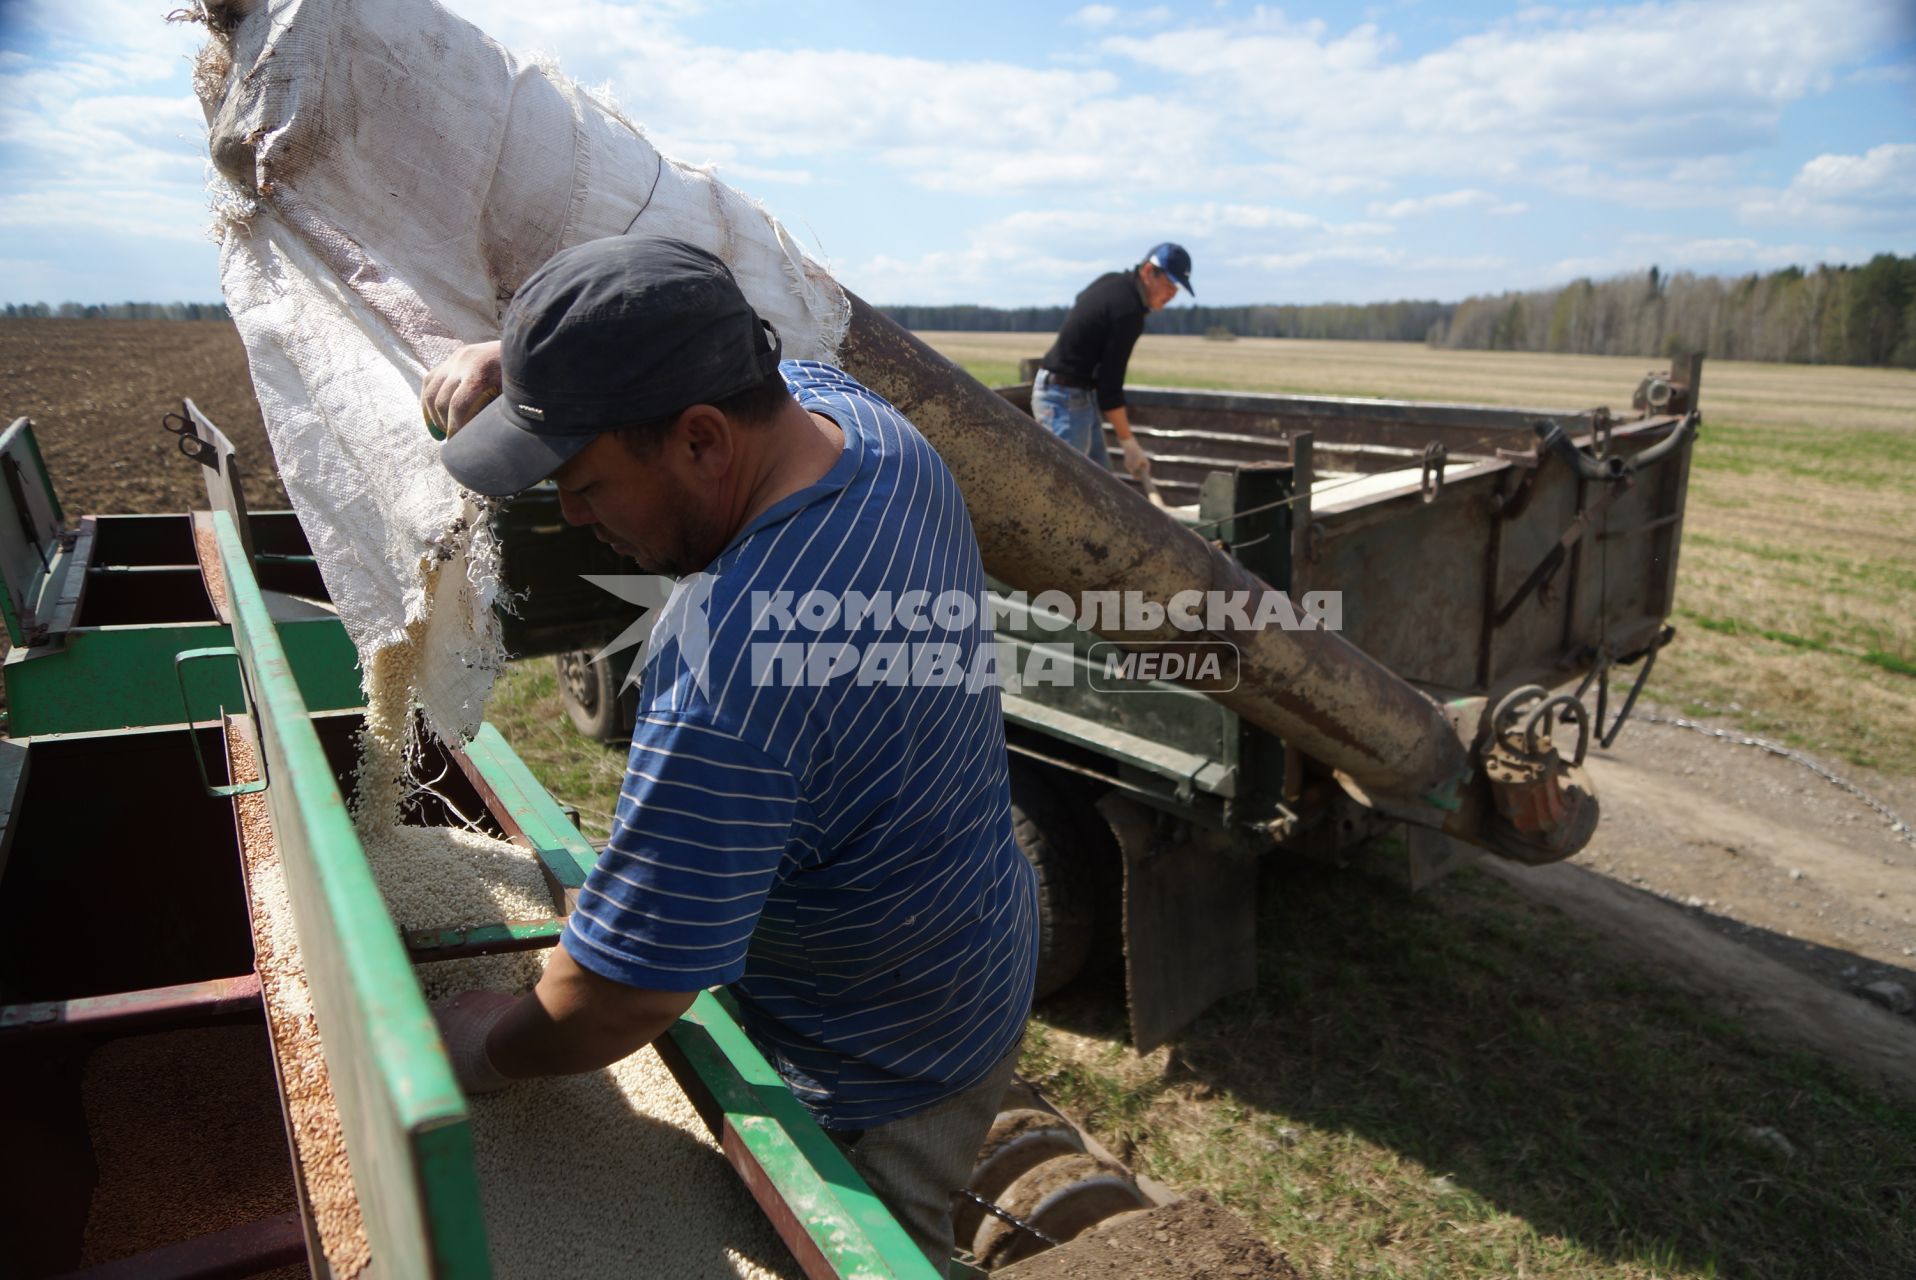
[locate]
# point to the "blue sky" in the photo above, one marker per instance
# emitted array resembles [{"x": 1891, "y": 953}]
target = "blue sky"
[{"x": 1004, "y": 153}]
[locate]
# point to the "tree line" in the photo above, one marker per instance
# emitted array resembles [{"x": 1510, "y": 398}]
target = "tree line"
[
  {"x": 1833, "y": 315},
  {"x": 118, "y": 311},
  {"x": 1862, "y": 315},
  {"x": 1370, "y": 322}
]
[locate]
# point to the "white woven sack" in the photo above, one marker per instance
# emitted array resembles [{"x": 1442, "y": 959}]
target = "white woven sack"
[{"x": 395, "y": 175}]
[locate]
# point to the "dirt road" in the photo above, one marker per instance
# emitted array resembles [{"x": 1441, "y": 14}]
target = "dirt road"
[
  {"x": 1763, "y": 849},
  {"x": 1751, "y": 879}
]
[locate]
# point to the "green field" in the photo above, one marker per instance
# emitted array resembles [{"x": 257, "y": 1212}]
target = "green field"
[{"x": 1463, "y": 1084}]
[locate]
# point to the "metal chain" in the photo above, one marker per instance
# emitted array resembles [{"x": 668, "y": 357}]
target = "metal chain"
[
  {"x": 1005, "y": 1215},
  {"x": 1897, "y": 826}
]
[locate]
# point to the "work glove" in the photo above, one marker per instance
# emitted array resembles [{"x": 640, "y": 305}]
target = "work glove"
[
  {"x": 1135, "y": 463},
  {"x": 465, "y": 1022},
  {"x": 459, "y": 387}
]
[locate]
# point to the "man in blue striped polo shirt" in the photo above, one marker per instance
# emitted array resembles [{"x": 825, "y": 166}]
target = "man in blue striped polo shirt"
[{"x": 816, "y": 809}]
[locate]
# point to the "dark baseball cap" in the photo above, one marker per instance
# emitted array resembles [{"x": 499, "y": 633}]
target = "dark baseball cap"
[
  {"x": 608, "y": 334},
  {"x": 1173, "y": 261}
]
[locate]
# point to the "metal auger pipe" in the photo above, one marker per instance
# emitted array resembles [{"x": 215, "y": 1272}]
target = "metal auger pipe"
[{"x": 1048, "y": 518}]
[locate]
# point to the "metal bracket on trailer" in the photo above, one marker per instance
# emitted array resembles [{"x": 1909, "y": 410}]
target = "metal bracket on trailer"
[{"x": 1600, "y": 675}]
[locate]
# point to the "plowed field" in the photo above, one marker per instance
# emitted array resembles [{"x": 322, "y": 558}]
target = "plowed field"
[{"x": 96, "y": 391}]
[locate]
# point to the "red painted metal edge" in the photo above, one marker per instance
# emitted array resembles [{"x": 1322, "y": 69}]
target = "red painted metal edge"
[
  {"x": 777, "y": 1211},
  {"x": 784, "y": 1220},
  {"x": 186, "y": 1004},
  {"x": 241, "y": 1251}
]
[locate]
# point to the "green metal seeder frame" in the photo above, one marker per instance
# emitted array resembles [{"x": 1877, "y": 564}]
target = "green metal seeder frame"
[
  {"x": 406, "y": 1124},
  {"x": 66, "y": 676}
]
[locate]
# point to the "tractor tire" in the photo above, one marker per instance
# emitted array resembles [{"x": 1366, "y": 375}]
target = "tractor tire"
[
  {"x": 1045, "y": 822},
  {"x": 593, "y": 701}
]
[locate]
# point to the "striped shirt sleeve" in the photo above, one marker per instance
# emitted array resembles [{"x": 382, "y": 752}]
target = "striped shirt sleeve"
[{"x": 703, "y": 823}]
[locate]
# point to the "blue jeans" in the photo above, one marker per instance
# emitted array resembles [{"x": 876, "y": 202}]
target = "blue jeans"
[{"x": 1071, "y": 414}]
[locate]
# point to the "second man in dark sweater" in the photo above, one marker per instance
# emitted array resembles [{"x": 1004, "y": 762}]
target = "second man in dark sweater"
[{"x": 1080, "y": 382}]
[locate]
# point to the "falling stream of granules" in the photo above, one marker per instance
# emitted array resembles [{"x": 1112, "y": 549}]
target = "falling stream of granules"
[{"x": 589, "y": 1175}]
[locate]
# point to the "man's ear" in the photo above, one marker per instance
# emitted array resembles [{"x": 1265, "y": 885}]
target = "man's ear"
[{"x": 705, "y": 438}]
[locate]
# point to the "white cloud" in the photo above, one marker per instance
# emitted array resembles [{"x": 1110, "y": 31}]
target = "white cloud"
[
  {"x": 1095, "y": 15},
  {"x": 1734, "y": 254},
  {"x": 1396, "y": 259},
  {"x": 137, "y": 212},
  {"x": 1612, "y": 87},
  {"x": 1101, "y": 16},
  {"x": 1131, "y": 231},
  {"x": 1211, "y": 218},
  {"x": 1048, "y": 255},
  {"x": 1468, "y": 198},
  {"x": 761, "y": 173},
  {"x": 102, "y": 134},
  {"x": 1877, "y": 188},
  {"x": 1316, "y": 153}
]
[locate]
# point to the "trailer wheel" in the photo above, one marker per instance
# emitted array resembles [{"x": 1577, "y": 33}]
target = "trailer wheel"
[
  {"x": 1045, "y": 823},
  {"x": 592, "y": 698}
]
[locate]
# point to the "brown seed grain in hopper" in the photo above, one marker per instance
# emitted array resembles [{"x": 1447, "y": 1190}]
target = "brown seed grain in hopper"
[
  {"x": 206, "y": 545},
  {"x": 186, "y": 1138},
  {"x": 318, "y": 1139}
]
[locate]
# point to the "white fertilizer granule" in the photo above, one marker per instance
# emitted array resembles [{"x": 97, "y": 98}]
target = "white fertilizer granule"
[{"x": 611, "y": 1172}]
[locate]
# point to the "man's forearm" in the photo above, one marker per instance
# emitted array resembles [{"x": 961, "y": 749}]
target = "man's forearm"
[
  {"x": 575, "y": 1021},
  {"x": 1120, "y": 420}
]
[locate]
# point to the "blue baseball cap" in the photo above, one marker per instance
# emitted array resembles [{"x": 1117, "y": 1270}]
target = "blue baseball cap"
[
  {"x": 1173, "y": 261},
  {"x": 607, "y": 334}
]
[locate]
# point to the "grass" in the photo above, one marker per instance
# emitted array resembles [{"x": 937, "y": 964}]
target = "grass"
[
  {"x": 1464, "y": 1084},
  {"x": 1798, "y": 569},
  {"x": 585, "y": 774}
]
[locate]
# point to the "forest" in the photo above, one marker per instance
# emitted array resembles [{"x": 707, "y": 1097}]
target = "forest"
[
  {"x": 1860, "y": 315},
  {"x": 118, "y": 311}
]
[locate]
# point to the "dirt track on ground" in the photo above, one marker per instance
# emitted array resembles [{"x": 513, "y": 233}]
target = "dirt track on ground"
[
  {"x": 1762, "y": 848},
  {"x": 1754, "y": 881},
  {"x": 1698, "y": 837}
]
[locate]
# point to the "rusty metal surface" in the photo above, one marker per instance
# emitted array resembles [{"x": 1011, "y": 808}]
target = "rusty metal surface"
[
  {"x": 1437, "y": 590},
  {"x": 242, "y": 1251},
  {"x": 187, "y": 1004},
  {"x": 1048, "y": 518},
  {"x": 1472, "y": 557}
]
